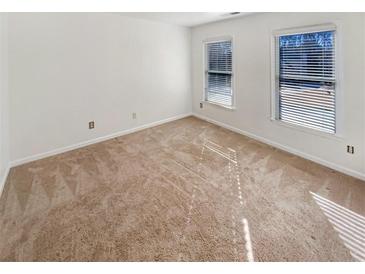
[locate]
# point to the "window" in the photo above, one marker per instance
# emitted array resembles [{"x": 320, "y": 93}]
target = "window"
[
  {"x": 218, "y": 73},
  {"x": 305, "y": 80}
]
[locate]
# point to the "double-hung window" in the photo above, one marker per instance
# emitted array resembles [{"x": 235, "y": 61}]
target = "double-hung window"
[
  {"x": 306, "y": 79},
  {"x": 218, "y": 73}
]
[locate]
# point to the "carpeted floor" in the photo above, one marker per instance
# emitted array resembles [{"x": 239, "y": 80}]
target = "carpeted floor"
[{"x": 183, "y": 191}]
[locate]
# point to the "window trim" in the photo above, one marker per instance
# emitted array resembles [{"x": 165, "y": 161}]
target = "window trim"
[
  {"x": 205, "y": 64},
  {"x": 274, "y": 100}
]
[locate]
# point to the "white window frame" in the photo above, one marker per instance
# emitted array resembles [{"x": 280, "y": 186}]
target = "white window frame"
[
  {"x": 205, "y": 62},
  {"x": 275, "y": 78}
]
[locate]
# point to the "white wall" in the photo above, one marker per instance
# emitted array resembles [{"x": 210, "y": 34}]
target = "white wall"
[
  {"x": 68, "y": 69},
  {"x": 252, "y": 57},
  {"x": 4, "y": 102}
]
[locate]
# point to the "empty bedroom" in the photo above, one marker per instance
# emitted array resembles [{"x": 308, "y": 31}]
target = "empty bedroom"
[{"x": 182, "y": 136}]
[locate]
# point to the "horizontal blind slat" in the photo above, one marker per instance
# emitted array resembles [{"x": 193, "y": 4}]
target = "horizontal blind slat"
[{"x": 309, "y": 109}]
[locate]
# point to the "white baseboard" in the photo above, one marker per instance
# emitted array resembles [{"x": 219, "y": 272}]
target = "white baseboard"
[
  {"x": 315, "y": 159},
  {"x": 339, "y": 168},
  {"x": 94, "y": 141},
  {"x": 3, "y": 179}
]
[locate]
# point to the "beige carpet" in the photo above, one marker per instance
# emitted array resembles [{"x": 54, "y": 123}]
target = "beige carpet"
[{"x": 184, "y": 191}]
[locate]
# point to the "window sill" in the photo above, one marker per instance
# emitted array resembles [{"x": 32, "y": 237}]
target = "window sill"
[
  {"x": 219, "y": 105},
  {"x": 334, "y": 136}
]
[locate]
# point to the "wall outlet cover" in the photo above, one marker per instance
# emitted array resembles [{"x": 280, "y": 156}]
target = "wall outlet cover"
[{"x": 91, "y": 124}]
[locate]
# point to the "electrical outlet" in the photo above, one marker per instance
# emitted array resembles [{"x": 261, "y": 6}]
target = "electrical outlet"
[
  {"x": 91, "y": 124},
  {"x": 134, "y": 115},
  {"x": 201, "y": 105},
  {"x": 350, "y": 149}
]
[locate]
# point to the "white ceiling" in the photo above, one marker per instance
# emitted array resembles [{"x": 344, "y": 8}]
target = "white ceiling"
[{"x": 186, "y": 19}]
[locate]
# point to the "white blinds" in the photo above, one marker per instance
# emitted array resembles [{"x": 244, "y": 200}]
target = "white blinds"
[
  {"x": 307, "y": 80},
  {"x": 219, "y": 72}
]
